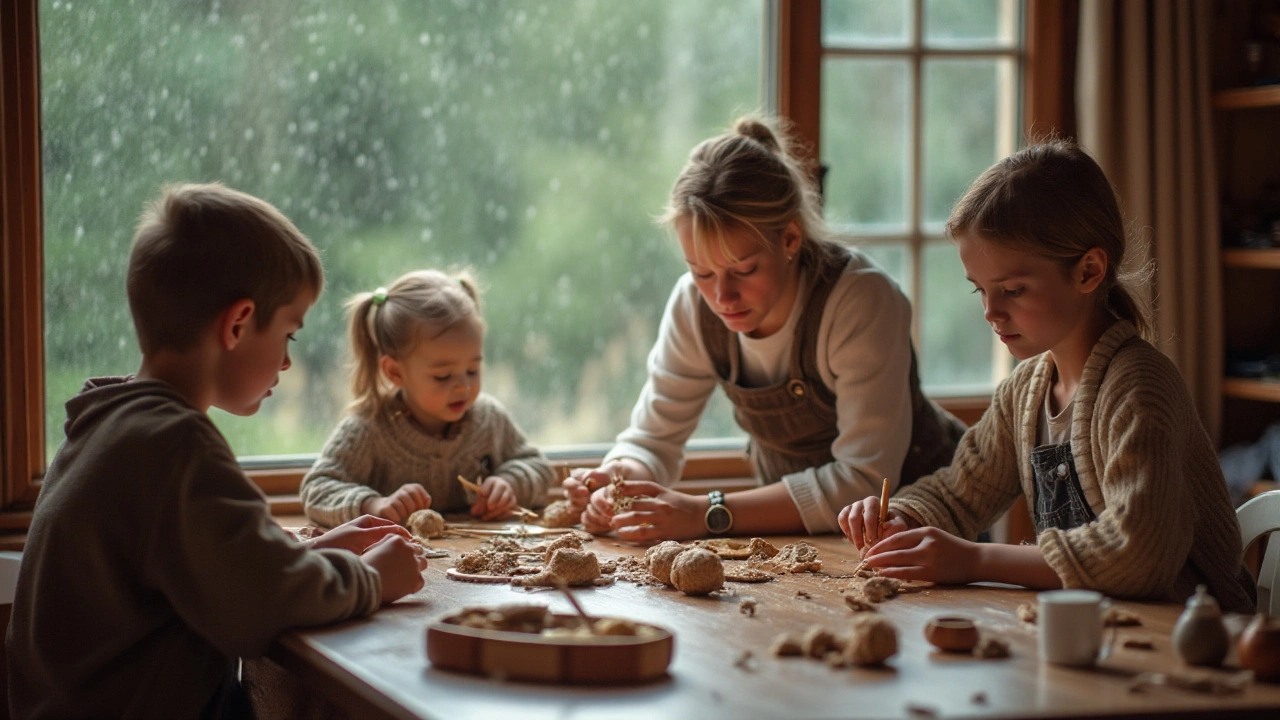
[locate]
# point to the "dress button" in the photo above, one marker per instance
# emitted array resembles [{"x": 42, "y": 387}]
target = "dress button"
[
  {"x": 796, "y": 387},
  {"x": 1062, "y": 470}
]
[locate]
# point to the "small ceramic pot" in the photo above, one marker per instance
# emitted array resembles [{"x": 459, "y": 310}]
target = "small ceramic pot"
[
  {"x": 952, "y": 634},
  {"x": 1259, "y": 648}
]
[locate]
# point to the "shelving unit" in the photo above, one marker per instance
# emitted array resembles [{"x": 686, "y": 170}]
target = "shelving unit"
[{"x": 1247, "y": 135}]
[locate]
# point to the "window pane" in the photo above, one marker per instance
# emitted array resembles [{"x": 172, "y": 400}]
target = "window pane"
[
  {"x": 867, "y": 23},
  {"x": 894, "y": 259},
  {"x": 866, "y": 123},
  {"x": 533, "y": 141},
  {"x": 969, "y": 23},
  {"x": 969, "y": 122},
  {"x": 956, "y": 343}
]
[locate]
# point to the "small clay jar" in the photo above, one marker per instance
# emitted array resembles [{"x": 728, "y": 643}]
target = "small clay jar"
[
  {"x": 1259, "y": 648},
  {"x": 952, "y": 634},
  {"x": 1200, "y": 637}
]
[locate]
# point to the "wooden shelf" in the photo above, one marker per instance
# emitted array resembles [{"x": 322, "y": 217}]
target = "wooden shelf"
[
  {"x": 1248, "y": 389},
  {"x": 1252, "y": 258},
  {"x": 1247, "y": 97}
]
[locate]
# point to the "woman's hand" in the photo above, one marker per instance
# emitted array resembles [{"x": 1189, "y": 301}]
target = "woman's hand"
[
  {"x": 656, "y": 513},
  {"x": 926, "y": 553},
  {"x": 582, "y": 482},
  {"x": 399, "y": 505},
  {"x": 495, "y": 499},
  {"x": 861, "y": 523},
  {"x": 358, "y": 535}
]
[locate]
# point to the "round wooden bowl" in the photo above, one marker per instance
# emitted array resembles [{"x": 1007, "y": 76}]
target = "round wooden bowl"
[
  {"x": 952, "y": 633},
  {"x": 597, "y": 659}
]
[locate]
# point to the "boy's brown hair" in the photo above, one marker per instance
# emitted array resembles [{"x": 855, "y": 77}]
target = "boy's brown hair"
[{"x": 201, "y": 247}]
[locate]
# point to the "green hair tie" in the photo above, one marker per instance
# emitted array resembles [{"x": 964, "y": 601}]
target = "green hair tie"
[{"x": 379, "y": 296}]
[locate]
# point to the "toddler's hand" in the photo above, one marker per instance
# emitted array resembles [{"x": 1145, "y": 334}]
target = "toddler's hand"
[
  {"x": 400, "y": 564},
  {"x": 399, "y": 505},
  {"x": 495, "y": 500},
  {"x": 358, "y": 535},
  {"x": 860, "y": 522}
]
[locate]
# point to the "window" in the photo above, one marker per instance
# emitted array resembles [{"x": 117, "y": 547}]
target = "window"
[
  {"x": 799, "y": 57},
  {"x": 531, "y": 141},
  {"x": 918, "y": 98}
]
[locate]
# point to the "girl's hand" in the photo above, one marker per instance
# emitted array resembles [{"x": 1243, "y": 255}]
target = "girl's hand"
[
  {"x": 861, "y": 523},
  {"x": 400, "y": 563},
  {"x": 926, "y": 553},
  {"x": 358, "y": 535},
  {"x": 658, "y": 513},
  {"x": 495, "y": 500},
  {"x": 399, "y": 505}
]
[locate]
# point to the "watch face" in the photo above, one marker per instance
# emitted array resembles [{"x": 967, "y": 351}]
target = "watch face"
[{"x": 718, "y": 519}]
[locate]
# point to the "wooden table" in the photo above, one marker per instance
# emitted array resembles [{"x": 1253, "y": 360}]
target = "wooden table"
[{"x": 377, "y": 667}]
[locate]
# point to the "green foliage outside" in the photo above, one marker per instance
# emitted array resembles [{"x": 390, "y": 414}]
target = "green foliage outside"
[{"x": 531, "y": 141}]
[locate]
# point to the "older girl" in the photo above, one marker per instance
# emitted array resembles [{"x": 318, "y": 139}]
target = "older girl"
[{"x": 1095, "y": 427}]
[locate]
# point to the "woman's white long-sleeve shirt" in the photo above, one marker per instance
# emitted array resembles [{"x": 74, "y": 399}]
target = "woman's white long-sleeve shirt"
[{"x": 864, "y": 359}]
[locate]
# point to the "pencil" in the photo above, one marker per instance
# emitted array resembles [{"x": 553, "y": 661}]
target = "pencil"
[{"x": 884, "y": 502}]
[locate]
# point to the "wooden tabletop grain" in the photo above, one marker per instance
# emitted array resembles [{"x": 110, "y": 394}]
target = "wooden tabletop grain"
[{"x": 377, "y": 667}]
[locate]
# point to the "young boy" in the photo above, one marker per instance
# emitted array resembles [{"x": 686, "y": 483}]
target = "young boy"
[{"x": 152, "y": 562}]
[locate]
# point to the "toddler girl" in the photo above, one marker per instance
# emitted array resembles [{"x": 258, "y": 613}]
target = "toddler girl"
[
  {"x": 1095, "y": 427},
  {"x": 419, "y": 419}
]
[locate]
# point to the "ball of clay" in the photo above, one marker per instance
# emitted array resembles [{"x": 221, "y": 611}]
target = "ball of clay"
[
  {"x": 568, "y": 540},
  {"x": 426, "y": 524},
  {"x": 697, "y": 572},
  {"x": 560, "y": 514},
  {"x": 872, "y": 641},
  {"x": 659, "y": 559},
  {"x": 574, "y": 567}
]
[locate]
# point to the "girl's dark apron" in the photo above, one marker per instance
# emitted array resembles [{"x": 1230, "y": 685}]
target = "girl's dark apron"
[
  {"x": 1060, "y": 500},
  {"x": 793, "y": 423}
]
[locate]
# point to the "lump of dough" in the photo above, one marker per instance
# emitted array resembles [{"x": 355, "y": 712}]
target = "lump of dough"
[
  {"x": 873, "y": 640},
  {"x": 697, "y": 572},
  {"x": 426, "y": 524},
  {"x": 560, "y": 514},
  {"x": 659, "y": 559}
]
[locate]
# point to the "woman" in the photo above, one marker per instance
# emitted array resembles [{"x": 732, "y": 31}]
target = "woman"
[{"x": 810, "y": 341}]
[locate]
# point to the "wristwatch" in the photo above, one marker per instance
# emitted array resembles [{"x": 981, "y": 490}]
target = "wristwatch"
[{"x": 719, "y": 520}]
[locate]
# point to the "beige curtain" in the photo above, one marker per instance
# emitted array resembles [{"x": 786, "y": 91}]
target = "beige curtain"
[{"x": 1143, "y": 104}]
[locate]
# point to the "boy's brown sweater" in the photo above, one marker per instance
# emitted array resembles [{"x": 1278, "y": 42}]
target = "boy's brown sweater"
[
  {"x": 153, "y": 562},
  {"x": 1148, "y": 470}
]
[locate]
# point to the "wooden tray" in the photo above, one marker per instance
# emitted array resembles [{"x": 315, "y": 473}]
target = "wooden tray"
[{"x": 600, "y": 660}]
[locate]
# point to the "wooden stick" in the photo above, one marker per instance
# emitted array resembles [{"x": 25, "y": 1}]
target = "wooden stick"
[
  {"x": 523, "y": 512},
  {"x": 884, "y": 502}
]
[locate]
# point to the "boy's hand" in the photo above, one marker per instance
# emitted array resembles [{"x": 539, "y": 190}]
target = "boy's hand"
[
  {"x": 358, "y": 535},
  {"x": 495, "y": 500},
  {"x": 399, "y": 505},
  {"x": 400, "y": 564},
  {"x": 860, "y": 522},
  {"x": 926, "y": 553}
]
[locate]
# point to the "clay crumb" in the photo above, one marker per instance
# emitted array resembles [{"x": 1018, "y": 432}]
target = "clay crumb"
[
  {"x": 1027, "y": 613},
  {"x": 918, "y": 710},
  {"x": 796, "y": 558},
  {"x": 817, "y": 641},
  {"x": 872, "y": 641},
  {"x": 858, "y": 603},
  {"x": 747, "y": 606},
  {"x": 1119, "y": 617},
  {"x": 785, "y": 646},
  {"x": 989, "y": 648},
  {"x": 426, "y": 524},
  {"x": 1139, "y": 642},
  {"x": 745, "y": 661},
  {"x": 804, "y": 595},
  {"x": 978, "y": 698}
]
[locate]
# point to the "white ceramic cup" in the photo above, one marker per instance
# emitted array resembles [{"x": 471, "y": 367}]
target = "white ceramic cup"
[{"x": 1071, "y": 626}]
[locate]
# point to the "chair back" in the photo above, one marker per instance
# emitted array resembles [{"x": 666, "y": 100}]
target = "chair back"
[{"x": 1260, "y": 517}]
